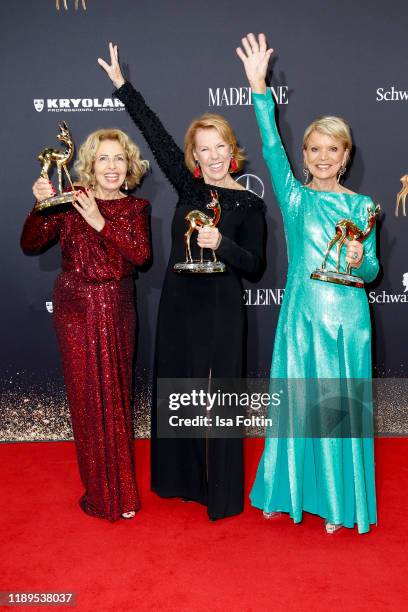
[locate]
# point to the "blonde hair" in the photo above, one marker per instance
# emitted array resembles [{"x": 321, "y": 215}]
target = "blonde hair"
[
  {"x": 136, "y": 167},
  {"x": 336, "y": 127},
  {"x": 207, "y": 121}
]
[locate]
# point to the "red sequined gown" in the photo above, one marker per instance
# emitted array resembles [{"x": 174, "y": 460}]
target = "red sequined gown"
[{"x": 94, "y": 317}]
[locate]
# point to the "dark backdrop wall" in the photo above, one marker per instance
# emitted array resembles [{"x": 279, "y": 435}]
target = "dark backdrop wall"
[{"x": 347, "y": 58}]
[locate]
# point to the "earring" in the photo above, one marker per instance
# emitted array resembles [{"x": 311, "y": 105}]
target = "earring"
[
  {"x": 340, "y": 173},
  {"x": 307, "y": 175},
  {"x": 125, "y": 185},
  {"x": 233, "y": 165},
  {"x": 197, "y": 170}
]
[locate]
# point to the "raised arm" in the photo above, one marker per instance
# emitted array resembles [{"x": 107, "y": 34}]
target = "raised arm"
[
  {"x": 255, "y": 56},
  {"x": 167, "y": 153}
]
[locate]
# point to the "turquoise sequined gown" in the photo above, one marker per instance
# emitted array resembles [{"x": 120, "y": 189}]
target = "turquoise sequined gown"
[{"x": 323, "y": 332}]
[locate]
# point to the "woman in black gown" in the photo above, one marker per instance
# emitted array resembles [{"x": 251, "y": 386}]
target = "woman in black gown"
[{"x": 201, "y": 321}]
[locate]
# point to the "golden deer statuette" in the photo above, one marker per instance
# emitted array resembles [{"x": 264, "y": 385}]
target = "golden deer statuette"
[
  {"x": 196, "y": 220},
  {"x": 61, "y": 159},
  {"x": 57, "y": 4},
  {"x": 402, "y": 195},
  {"x": 346, "y": 229}
]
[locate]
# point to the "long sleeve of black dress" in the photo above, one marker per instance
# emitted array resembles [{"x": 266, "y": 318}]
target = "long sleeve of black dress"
[
  {"x": 167, "y": 153},
  {"x": 246, "y": 254}
]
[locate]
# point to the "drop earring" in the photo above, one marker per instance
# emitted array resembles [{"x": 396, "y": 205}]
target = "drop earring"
[
  {"x": 197, "y": 170},
  {"x": 340, "y": 173},
  {"x": 233, "y": 165},
  {"x": 307, "y": 175}
]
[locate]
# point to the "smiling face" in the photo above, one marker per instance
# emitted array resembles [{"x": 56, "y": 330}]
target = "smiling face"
[
  {"x": 213, "y": 154},
  {"x": 324, "y": 155},
  {"x": 110, "y": 165}
]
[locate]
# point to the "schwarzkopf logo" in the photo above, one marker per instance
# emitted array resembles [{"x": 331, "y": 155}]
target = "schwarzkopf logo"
[
  {"x": 75, "y": 105},
  {"x": 242, "y": 96},
  {"x": 49, "y": 306},
  {"x": 390, "y": 298},
  {"x": 252, "y": 183},
  {"x": 391, "y": 95}
]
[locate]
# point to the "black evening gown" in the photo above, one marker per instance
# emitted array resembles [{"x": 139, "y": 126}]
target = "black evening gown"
[{"x": 201, "y": 323}]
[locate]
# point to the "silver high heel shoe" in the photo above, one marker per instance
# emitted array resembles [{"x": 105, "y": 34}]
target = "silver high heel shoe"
[
  {"x": 332, "y": 528},
  {"x": 128, "y": 515},
  {"x": 270, "y": 515}
]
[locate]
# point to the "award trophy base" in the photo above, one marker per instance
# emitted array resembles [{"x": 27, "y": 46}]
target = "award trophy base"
[
  {"x": 338, "y": 278},
  {"x": 199, "y": 267},
  {"x": 57, "y": 200}
]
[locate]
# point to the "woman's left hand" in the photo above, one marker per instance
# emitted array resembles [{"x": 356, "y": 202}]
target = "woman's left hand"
[
  {"x": 354, "y": 253},
  {"x": 255, "y": 56},
  {"x": 113, "y": 69},
  {"x": 209, "y": 238},
  {"x": 88, "y": 209}
]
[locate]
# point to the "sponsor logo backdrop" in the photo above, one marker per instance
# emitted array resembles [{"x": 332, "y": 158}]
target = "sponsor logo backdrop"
[{"x": 348, "y": 60}]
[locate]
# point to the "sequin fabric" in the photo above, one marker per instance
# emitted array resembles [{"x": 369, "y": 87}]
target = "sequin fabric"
[
  {"x": 323, "y": 332},
  {"x": 95, "y": 320}
]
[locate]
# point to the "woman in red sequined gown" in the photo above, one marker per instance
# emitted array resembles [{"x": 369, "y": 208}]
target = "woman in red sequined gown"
[{"x": 102, "y": 238}]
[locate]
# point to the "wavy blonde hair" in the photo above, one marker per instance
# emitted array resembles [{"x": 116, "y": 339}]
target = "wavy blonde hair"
[
  {"x": 136, "y": 166},
  {"x": 207, "y": 121}
]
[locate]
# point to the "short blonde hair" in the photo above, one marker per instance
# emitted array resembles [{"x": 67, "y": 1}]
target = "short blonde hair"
[
  {"x": 336, "y": 127},
  {"x": 207, "y": 121},
  {"x": 136, "y": 167}
]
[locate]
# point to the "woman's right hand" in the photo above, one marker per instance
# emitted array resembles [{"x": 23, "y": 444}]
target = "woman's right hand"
[
  {"x": 255, "y": 58},
  {"x": 43, "y": 189},
  {"x": 113, "y": 69}
]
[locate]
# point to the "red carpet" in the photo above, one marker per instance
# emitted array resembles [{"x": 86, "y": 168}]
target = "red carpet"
[{"x": 170, "y": 557}]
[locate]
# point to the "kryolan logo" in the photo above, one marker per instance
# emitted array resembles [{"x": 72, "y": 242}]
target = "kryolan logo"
[
  {"x": 242, "y": 96},
  {"x": 391, "y": 298},
  {"x": 75, "y": 105},
  {"x": 39, "y": 105}
]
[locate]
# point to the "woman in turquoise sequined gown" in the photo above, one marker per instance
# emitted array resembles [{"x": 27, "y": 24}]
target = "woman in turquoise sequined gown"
[{"x": 323, "y": 330}]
